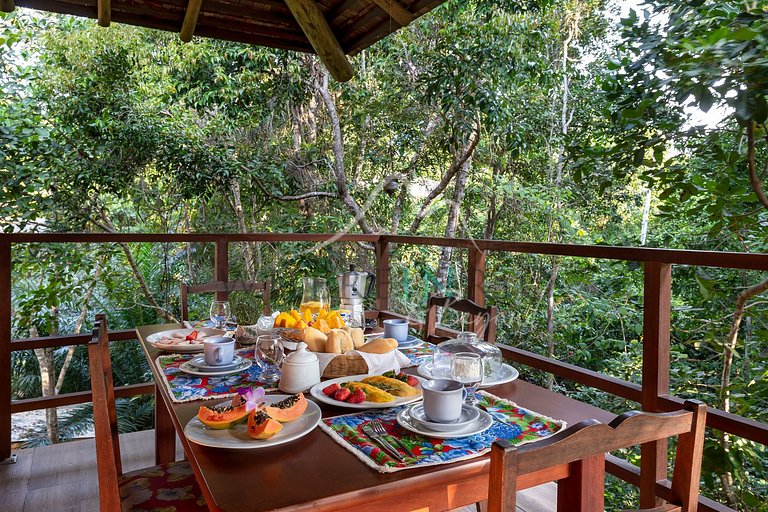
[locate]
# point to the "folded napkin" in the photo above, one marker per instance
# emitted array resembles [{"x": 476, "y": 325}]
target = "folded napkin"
[{"x": 377, "y": 363}]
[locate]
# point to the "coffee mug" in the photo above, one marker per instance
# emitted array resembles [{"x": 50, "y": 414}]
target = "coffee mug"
[
  {"x": 396, "y": 328},
  {"x": 218, "y": 350},
  {"x": 443, "y": 399}
]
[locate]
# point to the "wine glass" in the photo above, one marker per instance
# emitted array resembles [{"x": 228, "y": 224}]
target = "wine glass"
[
  {"x": 220, "y": 314},
  {"x": 269, "y": 353},
  {"x": 467, "y": 368}
]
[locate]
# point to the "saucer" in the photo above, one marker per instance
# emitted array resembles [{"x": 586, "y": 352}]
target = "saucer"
[
  {"x": 483, "y": 422},
  {"x": 192, "y": 370},
  {"x": 506, "y": 374},
  {"x": 410, "y": 342},
  {"x": 468, "y": 415},
  {"x": 199, "y": 364}
]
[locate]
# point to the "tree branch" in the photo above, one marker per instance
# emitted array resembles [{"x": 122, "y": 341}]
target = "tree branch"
[
  {"x": 753, "y": 178},
  {"x": 457, "y": 164},
  {"x": 338, "y": 156}
]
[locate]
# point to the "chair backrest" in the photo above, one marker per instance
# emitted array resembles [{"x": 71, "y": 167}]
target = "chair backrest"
[
  {"x": 225, "y": 286},
  {"x": 108, "y": 460},
  {"x": 591, "y": 438},
  {"x": 481, "y": 320}
]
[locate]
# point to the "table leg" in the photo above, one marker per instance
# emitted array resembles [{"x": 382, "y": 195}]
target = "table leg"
[
  {"x": 584, "y": 489},
  {"x": 165, "y": 434}
]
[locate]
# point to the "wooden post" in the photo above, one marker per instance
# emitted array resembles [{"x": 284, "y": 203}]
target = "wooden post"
[
  {"x": 190, "y": 20},
  {"x": 165, "y": 432},
  {"x": 584, "y": 489},
  {"x": 221, "y": 264},
  {"x": 476, "y": 284},
  {"x": 5, "y": 350},
  {"x": 656, "y": 324},
  {"x": 382, "y": 275},
  {"x": 396, "y": 11},
  {"x": 104, "y": 9},
  {"x": 312, "y": 22},
  {"x": 7, "y": 5}
]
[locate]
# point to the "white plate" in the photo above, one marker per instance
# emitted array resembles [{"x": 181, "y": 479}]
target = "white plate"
[
  {"x": 508, "y": 374},
  {"x": 199, "y": 363},
  {"x": 237, "y": 437},
  {"x": 187, "y": 367},
  {"x": 468, "y": 415},
  {"x": 317, "y": 392},
  {"x": 481, "y": 424},
  {"x": 410, "y": 342},
  {"x": 181, "y": 348}
]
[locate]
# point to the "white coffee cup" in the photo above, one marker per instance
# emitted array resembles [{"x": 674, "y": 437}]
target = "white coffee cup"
[
  {"x": 396, "y": 328},
  {"x": 443, "y": 399},
  {"x": 218, "y": 350}
]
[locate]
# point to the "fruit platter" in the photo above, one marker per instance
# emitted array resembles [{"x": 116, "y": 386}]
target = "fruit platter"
[
  {"x": 275, "y": 419},
  {"x": 182, "y": 340},
  {"x": 369, "y": 391}
]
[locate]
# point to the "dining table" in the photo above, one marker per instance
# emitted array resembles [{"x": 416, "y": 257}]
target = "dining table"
[{"x": 317, "y": 473}]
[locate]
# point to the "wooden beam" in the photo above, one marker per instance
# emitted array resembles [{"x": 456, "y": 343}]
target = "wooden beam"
[
  {"x": 104, "y": 8},
  {"x": 399, "y": 13},
  {"x": 321, "y": 37},
  {"x": 190, "y": 20}
]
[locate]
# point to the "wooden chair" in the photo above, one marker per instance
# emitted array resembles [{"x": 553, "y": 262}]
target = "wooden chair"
[
  {"x": 224, "y": 286},
  {"x": 169, "y": 487},
  {"x": 591, "y": 439},
  {"x": 486, "y": 329}
]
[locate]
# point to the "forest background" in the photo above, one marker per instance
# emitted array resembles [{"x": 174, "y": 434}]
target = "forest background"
[{"x": 546, "y": 121}]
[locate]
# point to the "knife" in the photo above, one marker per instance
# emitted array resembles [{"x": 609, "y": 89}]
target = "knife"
[{"x": 383, "y": 443}]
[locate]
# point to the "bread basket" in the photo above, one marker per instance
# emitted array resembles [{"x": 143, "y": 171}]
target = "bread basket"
[{"x": 344, "y": 365}]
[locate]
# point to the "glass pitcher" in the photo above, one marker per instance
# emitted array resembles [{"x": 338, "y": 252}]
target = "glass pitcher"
[{"x": 315, "y": 296}]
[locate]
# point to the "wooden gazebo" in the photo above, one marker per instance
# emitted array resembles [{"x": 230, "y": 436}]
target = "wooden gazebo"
[{"x": 332, "y": 29}]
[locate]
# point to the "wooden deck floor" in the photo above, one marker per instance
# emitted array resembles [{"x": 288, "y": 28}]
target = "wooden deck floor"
[{"x": 62, "y": 478}]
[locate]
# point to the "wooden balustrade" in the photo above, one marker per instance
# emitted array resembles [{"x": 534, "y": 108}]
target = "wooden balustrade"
[{"x": 652, "y": 394}]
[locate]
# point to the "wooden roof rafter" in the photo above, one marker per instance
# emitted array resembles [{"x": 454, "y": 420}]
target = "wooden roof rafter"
[{"x": 332, "y": 29}]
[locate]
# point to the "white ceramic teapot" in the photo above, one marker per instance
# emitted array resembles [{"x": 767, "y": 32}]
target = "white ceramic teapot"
[{"x": 301, "y": 370}]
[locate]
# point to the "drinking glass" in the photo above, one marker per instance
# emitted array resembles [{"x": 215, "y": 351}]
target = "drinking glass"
[
  {"x": 220, "y": 314},
  {"x": 467, "y": 368},
  {"x": 269, "y": 353}
]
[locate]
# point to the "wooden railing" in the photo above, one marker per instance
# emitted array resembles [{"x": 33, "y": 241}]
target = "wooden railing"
[{"x": 652, "y": 393}]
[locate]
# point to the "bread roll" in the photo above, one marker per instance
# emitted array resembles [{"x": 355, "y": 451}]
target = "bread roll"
[
  {"x": 314, "y": 339},
  {"x": 379, "y": 346},
  {"x": 357, "y": 336},
  {"x": 339, "y": 342}
]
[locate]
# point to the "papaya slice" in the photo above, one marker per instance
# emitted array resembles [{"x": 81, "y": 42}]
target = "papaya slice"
[
  {"x": 220, "y": 418},
  {"x": 288, "y": 409},
  {"x": 261, "y": 426}
]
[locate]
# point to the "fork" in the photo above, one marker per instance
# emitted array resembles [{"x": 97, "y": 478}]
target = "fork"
[
  {"x": 368, "y": 429},
  {"x": 377, "y": 427}
]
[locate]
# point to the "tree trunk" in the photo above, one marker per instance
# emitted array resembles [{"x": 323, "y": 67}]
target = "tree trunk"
[
  {"x": 458, "y": 163},
  {"x": 107, "y": 226},
  {"x": 566, "y": 115},
  {"x": 646, "y": 215},
  {"x": 729, "y": 348},
  {"x": 79, "y": 323},
  {"x": 453, "y": 220},
  {"x": 240, "y": 216},
  {"x": 402, "y": 195},
  {"x": 338, "y": 157},
  {"x": 47, "y": 365}
]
